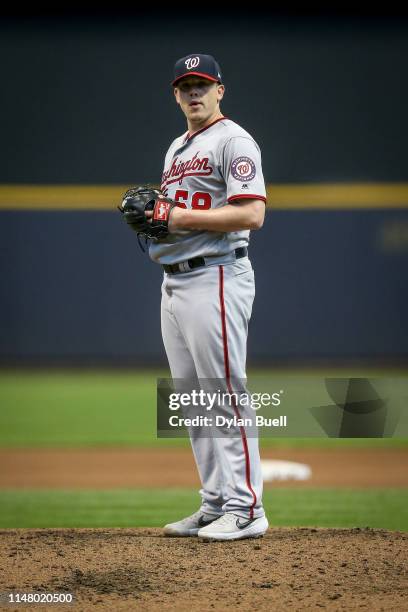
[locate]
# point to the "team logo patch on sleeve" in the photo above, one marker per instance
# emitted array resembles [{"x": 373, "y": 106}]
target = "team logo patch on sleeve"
[{"x": 243, "y": 169}]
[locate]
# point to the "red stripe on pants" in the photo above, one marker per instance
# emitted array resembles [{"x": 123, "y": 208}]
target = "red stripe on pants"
[{"x": 228, "y": 379}]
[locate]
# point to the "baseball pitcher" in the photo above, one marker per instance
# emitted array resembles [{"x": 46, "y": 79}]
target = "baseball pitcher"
[{"x": 212, "y": 194}]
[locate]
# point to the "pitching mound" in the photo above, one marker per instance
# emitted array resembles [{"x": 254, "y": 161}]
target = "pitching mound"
[{"x": 139, "y": 569}]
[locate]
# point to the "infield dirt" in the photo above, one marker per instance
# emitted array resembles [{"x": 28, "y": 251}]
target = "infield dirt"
[
  {"x": 104, "y": 468},
  {"x": 140, "y": 569}
]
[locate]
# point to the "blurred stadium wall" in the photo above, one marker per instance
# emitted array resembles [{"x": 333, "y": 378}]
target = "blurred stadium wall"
[{"x": 87, "y": 109}]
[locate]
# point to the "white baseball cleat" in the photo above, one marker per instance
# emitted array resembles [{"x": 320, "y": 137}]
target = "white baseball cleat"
[
  {"x": 190, "y": 525},
  {"x": 233, "y": 527}
]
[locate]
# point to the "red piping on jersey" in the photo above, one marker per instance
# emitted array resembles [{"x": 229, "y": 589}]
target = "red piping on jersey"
[
  {"x": 189, "y": 137},
  {"x": 201, "y": 74},
  {"x": 230, "y": 390},
  {"x": 247, "y": 196}
]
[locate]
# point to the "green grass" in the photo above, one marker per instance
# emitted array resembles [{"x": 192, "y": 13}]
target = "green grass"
[
  {"x": 378, "y": 508},
  {"x": 76, "y": 409},
  {"x": 106, "y": 408}
]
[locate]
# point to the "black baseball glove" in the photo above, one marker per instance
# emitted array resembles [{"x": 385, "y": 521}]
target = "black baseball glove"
[{"x": 139, "y": 199}]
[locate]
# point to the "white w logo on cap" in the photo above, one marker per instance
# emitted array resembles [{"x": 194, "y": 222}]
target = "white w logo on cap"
[{"x": 192, "y": 62}]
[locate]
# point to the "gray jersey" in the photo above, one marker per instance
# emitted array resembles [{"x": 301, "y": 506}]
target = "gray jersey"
[{"x": 212, "y": 168}]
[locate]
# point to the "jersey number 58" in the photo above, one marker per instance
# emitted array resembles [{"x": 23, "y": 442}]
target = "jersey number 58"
[{"x": 199, "y": 200}]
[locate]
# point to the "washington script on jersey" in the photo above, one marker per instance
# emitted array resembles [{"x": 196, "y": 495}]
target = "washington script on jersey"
[{"x": 192, "y": 167}]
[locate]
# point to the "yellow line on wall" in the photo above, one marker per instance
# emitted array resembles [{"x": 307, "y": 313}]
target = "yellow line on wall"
[
  {"x": 325, "y": 196},
  {"x": 338, "y": 195},
  {"x": 61, "y": 197}
]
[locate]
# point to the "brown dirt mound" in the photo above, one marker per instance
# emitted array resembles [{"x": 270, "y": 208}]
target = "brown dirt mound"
[{"x": 139, "y": 569}]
